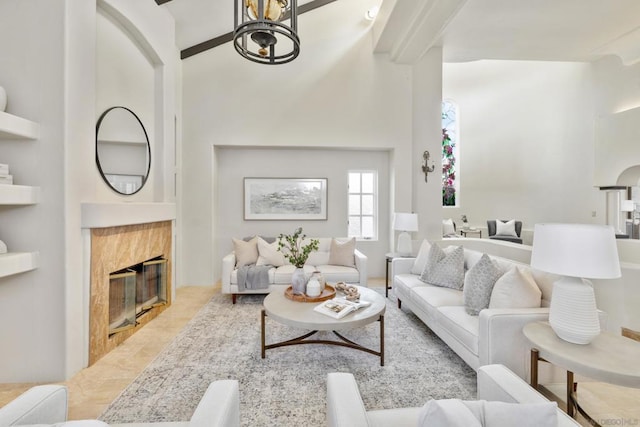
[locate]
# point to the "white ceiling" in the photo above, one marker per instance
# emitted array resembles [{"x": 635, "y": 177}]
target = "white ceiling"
[{"x": 568, "y": 30}]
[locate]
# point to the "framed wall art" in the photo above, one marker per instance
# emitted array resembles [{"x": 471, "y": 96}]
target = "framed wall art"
[{"x": 285, "y": 198}]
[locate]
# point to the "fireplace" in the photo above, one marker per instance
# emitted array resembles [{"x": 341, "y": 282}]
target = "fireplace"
[{"x": 135, "y": 290}]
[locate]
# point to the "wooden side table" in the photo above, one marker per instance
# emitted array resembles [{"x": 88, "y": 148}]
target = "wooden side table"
[
  {"x": 608, "y": 358},
  {"x": 390, "y": 256},
  {"x": 464, "y": 232}
]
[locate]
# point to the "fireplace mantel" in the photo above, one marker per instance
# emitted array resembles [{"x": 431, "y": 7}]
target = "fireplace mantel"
[{"x": 101, "y": 215}]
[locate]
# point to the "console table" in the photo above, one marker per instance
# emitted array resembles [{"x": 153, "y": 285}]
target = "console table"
[{"x": 608, "y": 358}]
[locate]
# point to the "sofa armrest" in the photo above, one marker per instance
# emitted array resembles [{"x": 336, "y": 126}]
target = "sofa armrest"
[
  {"x": 219, "y": 407},
  {"x": 344, "y": 403},
  {"x": 44, "y": 404},
  {"x": 401, "y": 266},
  {"x": 228, "y": 264},
  {"x": 361, "y": 266}
]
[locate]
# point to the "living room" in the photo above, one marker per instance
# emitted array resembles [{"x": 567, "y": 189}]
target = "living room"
[{"x": 358, "y": 97}]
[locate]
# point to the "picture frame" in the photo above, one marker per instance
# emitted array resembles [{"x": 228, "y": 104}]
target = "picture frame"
[{"x": 285, "y": 199}]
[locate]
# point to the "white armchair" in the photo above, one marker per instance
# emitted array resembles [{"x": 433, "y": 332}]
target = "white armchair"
[{"x": 47, "y": 404}]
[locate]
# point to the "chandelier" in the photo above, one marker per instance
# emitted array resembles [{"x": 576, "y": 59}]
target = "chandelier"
[{"x": 259, "y": 34}]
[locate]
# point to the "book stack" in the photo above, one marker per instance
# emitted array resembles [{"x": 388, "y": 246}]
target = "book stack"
[{"x": 5, "y": 178}]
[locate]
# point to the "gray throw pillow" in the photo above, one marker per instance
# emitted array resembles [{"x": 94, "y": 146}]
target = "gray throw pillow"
[
  {"x": 478, "y": 284},
  {"x": 444, "y": 269}
]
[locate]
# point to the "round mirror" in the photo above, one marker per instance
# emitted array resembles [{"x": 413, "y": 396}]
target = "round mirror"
[{"x": 123, "y": 154}]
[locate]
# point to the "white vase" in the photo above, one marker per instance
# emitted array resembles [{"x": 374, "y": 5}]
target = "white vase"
[
  {"x": 299, "y": 281},
  {"x": 313, "y": 288},
  {"x": 3, "y": 99}
]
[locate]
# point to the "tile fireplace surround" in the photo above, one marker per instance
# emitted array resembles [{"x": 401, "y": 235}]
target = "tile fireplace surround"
[{"x": 112, "y": 249}]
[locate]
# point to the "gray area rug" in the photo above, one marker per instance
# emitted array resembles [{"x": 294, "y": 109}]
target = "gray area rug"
[{"x": 288, "y": 387}]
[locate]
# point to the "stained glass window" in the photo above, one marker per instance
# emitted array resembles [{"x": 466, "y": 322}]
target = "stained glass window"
[{"x": 450, "y": 151}]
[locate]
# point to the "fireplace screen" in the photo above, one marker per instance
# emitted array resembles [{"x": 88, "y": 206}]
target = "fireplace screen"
[{"x": 135, "y": 290}]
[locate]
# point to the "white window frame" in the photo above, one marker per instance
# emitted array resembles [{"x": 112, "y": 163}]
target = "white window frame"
[{"x": 375, "y": 195}]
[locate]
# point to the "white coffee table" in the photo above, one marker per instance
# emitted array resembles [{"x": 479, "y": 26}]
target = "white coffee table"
[{"x": 301, "y": 315}]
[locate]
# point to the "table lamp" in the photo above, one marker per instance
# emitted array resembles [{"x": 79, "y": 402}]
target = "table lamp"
[
  {"x": 405, "y": 222},
  {"x": 577, "y": 252}
]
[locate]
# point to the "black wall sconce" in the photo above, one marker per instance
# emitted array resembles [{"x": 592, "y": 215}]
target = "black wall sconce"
[{"x": 425, "y": 167}]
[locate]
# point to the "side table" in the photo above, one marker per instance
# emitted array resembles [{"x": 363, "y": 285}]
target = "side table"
[
  {"x": 390, "y": 256},
  {"x": 464, "y": 232},
  {"x": 608, "y": 358}
]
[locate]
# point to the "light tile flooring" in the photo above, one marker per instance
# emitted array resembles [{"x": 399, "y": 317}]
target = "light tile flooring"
[{"x": 93, "y": 388}]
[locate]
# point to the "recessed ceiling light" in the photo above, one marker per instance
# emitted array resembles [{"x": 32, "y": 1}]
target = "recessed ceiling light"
[{"x": 371, "y": 14}]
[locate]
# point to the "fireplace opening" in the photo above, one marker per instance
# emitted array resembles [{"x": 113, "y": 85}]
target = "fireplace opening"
[{"x": 135, "y": 290}]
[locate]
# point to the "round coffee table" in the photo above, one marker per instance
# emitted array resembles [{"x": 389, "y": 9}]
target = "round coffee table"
[{"x": 301, "y": 315}]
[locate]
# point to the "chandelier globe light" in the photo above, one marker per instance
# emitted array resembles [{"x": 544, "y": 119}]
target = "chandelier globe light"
[{"x": 259, "y": 33}]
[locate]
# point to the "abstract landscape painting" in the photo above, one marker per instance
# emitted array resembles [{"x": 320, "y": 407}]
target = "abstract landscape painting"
[{"x": 285, "y": 198}]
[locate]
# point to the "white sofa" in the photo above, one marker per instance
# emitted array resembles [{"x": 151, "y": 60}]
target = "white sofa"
[
  {"x": 281, "y": 275},
  {"x": 47, "y": 404},
  {"x": 345, "y": 407},
  {"x": 495, "y": 335}
]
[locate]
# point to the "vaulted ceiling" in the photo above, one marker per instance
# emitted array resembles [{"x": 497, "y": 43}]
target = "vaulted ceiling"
[{"x": 567, "y": 30}]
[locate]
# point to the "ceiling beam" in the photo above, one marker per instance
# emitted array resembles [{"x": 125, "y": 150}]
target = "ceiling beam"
[{"x": 217, "y": 41}]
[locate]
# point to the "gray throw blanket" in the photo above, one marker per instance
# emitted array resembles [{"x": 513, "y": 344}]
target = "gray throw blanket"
[{"x": 253, "y": 277}]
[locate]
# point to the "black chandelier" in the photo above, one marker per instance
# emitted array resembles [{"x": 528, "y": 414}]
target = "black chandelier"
[{"x": 272, "y": 42}]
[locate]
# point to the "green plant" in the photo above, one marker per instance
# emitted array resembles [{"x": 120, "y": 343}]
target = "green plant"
[{"x": 292, "y": 248}]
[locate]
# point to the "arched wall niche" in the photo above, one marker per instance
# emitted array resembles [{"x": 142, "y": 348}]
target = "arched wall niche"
[{"x": 630, "y": 177}]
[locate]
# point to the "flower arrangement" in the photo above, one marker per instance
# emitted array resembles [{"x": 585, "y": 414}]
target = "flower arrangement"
[{"x": 292, "y": 248}]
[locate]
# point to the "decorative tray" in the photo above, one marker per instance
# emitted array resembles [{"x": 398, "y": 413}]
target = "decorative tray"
[{"x": 327, "y": 293}]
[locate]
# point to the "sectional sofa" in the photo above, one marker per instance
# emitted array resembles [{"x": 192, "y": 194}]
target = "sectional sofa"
[
  {"x": 337, "y": 260},
  {"x": 494, "y": 336}
]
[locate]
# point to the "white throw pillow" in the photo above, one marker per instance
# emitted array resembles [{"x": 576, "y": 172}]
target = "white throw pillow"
[
  {"x": 447, "y": 413},
  {"x": 478, "y": 284},
  {"x": 246, "y": 252},
  {"x": 506, "y": 228},
  {"x": 268, "y": 254},
  {"x": 448, "y": 228},
  {"x": 515, "y": 289},
  {"x": 341, "y": 253},
  {"x": 444, "y": 268},
  {"x": 421, "y": 258}
]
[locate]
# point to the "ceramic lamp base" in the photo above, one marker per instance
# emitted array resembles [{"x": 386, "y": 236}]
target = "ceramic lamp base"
[
  {"x": 573, "y": 315},
  {"x": 404, "y": 244}
]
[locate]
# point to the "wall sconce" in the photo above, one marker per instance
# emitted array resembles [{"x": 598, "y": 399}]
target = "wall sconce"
[{"x": 425, "y": 168}]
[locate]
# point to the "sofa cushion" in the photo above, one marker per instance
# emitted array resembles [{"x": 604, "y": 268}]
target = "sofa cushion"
[
  {"x": 478, "y": 284},
  {"x": 516, "y": 289},
  {"x": 404, "y": 283},
  {"x": 341, "y": 253},
  {"x": 246, "y": 252},
  {"x": 282, "y": 274},
  {"x": 447, "y": 412},
  {"x": 448, "y": 229},
  {"x": 428, "y": 298},
  {"x": 460, "y": 325},
  {"x": 506, "y": 228},
  {"x": 421, "y": 258},
  {"x": 318, "y": 258},
  {"x": 444, "y": 269},
  {"x": 337, "y": 273},
  {"x": 268, "y": 253}
]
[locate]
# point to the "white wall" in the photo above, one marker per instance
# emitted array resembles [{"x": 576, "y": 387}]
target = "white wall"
[{"x": 336, "y": 94}]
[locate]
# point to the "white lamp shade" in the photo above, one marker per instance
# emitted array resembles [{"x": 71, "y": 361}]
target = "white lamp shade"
[
  {"x": 577, "y": 250},
  {"x": 627, "y": 206},
  {"x": 405, "y": 222}
]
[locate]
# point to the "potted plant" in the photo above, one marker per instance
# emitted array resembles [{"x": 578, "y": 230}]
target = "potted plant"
[{"x": 297, "y": 253}]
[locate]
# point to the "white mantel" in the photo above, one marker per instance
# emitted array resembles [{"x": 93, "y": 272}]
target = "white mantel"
[{"x": 100, "y": 215}]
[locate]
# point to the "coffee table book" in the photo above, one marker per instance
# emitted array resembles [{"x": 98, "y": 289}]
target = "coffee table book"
[{"x": 339, "y": 307}]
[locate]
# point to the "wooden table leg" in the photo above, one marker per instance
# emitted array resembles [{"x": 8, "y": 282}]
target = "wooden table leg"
[
  {"x": 262, "y": 327},
  {"x": 570, "y": 387},
  {"x": 534, "y": 367},
  {"x": 386, "y": 280}
]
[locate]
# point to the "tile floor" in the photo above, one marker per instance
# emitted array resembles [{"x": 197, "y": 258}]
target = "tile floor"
[{"x": 93, "y": 388}]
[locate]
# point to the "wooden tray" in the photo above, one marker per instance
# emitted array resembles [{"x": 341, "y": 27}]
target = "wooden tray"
[{"x": 327, "y": 293}]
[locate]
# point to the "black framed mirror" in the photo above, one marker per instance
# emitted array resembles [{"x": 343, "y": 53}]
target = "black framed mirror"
[{"x": 123, "y": 152}]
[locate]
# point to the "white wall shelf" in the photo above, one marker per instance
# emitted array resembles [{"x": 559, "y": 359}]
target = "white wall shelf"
[
  {"x": 14, "y": 127},
  {"x": 18, "y": 262},
  {"x": 19, "y": 195}
]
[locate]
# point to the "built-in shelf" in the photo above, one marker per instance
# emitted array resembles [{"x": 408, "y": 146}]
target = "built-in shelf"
[
  {"x": 19, "y": 194},
  {"x": 14, "y": 127},
  {"x": 18, "y": 262}
]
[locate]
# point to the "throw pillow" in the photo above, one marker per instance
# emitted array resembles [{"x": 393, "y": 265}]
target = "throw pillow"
[
  {"x": 516, "y": 289},
  {"x": 268, "y": 253},
  {"x": 447, "y": 412},
  {"x": 341, "y": 253},
  {"x": 444, "y": 269},
  {"x": 506, "y": 228},
  {"x": 246, "y": 252},
  {"x": 478, "y": 284},
  {"x": 448, "y": 228},
  {"x": 421, "y": 258}
]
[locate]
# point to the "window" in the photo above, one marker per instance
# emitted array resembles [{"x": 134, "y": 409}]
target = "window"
[
  {"x": 450, "y": 153},
  {"x": 363, "y": 204}
]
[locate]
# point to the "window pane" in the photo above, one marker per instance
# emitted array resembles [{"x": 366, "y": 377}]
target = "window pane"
[
  {"x": 354, "y": 226},
  {"x": 367, "y": 227},
  {"x": 354, "y": 183},
  {"x": 367, "y": 183},
  {"x": 367, "y": 205},
  {"x": 354, "y": 205}
]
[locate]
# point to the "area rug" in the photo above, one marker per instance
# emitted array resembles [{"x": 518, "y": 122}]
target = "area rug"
[{"x": 288, "y": 387}]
